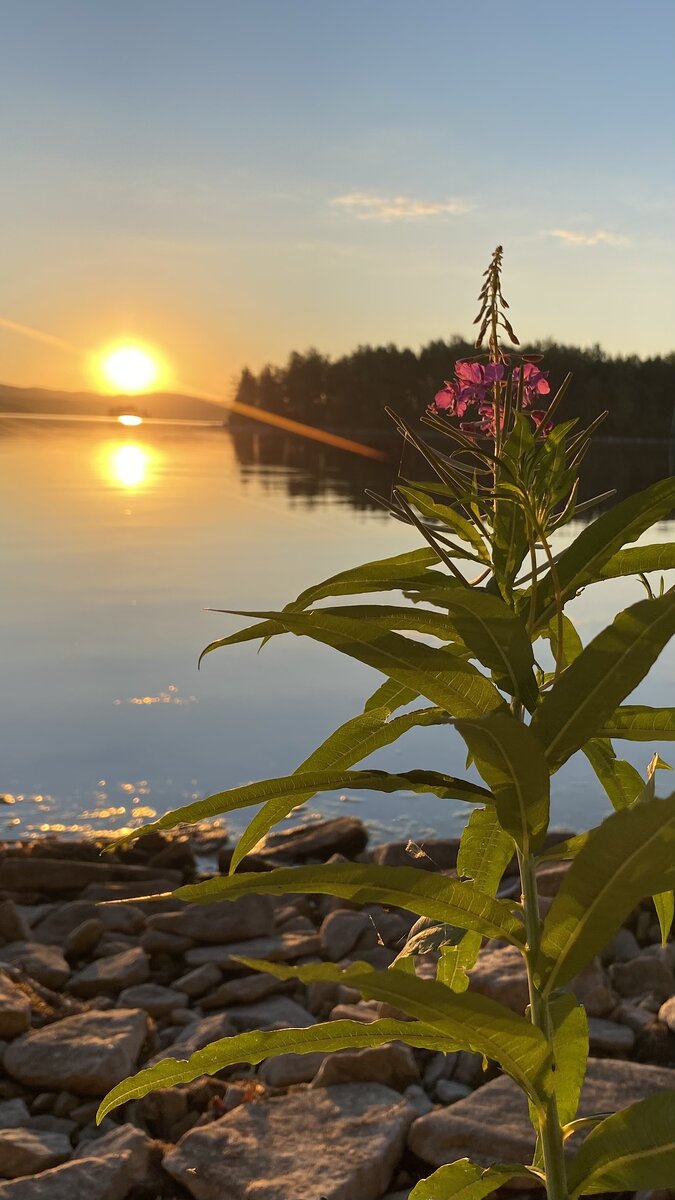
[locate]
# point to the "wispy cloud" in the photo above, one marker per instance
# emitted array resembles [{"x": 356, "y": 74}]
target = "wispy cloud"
[
  {"x": 599, "y": 237},
  {"x": 368, "y": 206}
]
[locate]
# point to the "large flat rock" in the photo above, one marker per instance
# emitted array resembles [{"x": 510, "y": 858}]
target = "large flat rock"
[
  {"x": 281, "y": 947},
  {"x": 493, "y": 1123},
  {"x": 49, "y": 876},
  {"x": 226, "y": 921},
  {"x": 107, "y": 1178},
  {"x": 337, "y": 1143},
  {"x": 87, "y": 1054}
]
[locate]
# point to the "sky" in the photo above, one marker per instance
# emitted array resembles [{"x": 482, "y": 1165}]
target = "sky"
[{"x": 230, "y": 180}]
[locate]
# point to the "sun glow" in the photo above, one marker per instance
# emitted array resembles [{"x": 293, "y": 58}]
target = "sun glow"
[
  {"x": 129, "y": 368},
  {"x": 128, "y": 466}
]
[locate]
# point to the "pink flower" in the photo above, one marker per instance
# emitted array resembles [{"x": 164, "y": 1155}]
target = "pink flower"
[
  {"x": 539, "y": 416},
  {"x": 535, "y": 383}
]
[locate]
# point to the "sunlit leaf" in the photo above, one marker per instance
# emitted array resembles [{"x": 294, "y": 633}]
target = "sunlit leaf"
[
  {"x": 570, "y": 1053},
  {"x": 640, "y": 559},
  {"x": 390, "y": 696},
  {"x": 620, "y": 779},
  {"x": 638, "y": 723},
  {"x": 510, "y": 759},
  {"x": 464, "y": 1180},
  {"x": 631, "y": 1149}
]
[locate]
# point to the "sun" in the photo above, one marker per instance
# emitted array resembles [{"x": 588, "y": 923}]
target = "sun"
[{"x": 129, "y": 368}]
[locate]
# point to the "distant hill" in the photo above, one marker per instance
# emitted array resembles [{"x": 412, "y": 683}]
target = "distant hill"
[{"x": 92, "y": 404}]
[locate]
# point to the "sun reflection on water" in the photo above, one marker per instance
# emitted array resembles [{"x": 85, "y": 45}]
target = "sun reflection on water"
[{"x": 128, "y": 465}]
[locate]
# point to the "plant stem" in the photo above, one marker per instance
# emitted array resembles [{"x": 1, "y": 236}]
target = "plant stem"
[{"x": 549, "y": 1122}]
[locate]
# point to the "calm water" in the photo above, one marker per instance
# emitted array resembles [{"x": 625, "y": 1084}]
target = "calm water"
[{"x": 114, "y": 545}]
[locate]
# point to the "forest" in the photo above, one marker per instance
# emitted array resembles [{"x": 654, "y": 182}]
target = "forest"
[{"x": 352, "y": 392}]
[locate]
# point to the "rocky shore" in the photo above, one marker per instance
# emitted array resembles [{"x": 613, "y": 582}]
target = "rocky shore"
[{"x": 90, "y": 993}]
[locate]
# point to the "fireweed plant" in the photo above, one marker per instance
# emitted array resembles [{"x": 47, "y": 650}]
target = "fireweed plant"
[{"x": 503, "y": 668}]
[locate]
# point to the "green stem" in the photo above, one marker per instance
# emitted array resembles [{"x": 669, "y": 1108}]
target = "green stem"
[{"x": 549, "y": 1122}]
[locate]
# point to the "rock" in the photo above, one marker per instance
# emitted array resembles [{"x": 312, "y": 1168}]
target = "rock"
[
  {"x": 339, "y": 1143},
  {"x": 50, "y": 1124},
  {"x": 439, "y": 1067},
  {"x": 468, "y": 1069},
  {"x": 607, "y": 1037},
  {"x": 275, "y": 1012},
  {"x": 449, "y": 1091},
  {"x": 226, "y": 921},
  {"x": 341, "y": 931},
  {"x": 156, "y": 941},
  {"x": 493, "y": 1123},
  {"x": 122, "y": 918},
  {"x": 440, "y": 854},
  {"x": 14, "y": 1113},
  {"x": 199, "y": 981},
  {"x": 317, "y": 839},
  {"x": 667, "y": 1013},
  {"x": 591, "y": 987},
  {"x": 636, "y": 1018},
  {"x": 648, "y": 973},
  {"x": 13, "y": 926},
  {"x": 550, "y": 877},
  {"x": 417, "y": 1099},
  {"x": 362, "y": 1010},
  {"x": 111, "y": 975},
  {"x": 26, "y": 1151},
  {"x": 45, "y": 964},
  {"x": 106, "y": 1178},
  {"x": 122, "y": 1139},
  {"x": 194, "y": 1037},
  {"x": 623, "y": 947},
  {"x": 500, "y": 973},
  {"x": 287, "y": 1069},
  {"x": 83, "y": 938},
  {"x": 393, "y": 1065},
  {"x": 62, "y": 919},
  {"x": 245, "y": 990},
  {"x": 158, "y": 1001},
  {"x": 284, "y": 947},
  {"x": 15, "y": 1013},
  {"x": 88, "y": 1053},
  {"x": 63, "y": 876}
]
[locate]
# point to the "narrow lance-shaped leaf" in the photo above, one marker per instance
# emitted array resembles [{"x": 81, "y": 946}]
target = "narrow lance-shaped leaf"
[
  {"x": 511, "y": 762},
  {"x": 570, "y": 1053},
  {"x": 390, "y": 696},
  {"x": 421, "y": 892},
  {"x": 378, "y": 576},
  {"x": 664, "y": 902},
  {"x": 620, "y": 779},
  {"x": 638, "y": 723},
  {"x": 447, "y": 517},
  {"x": 584, "y": 697},
  {"x": 632, "y": 1149},
  {"x": 258, "y": 1045},
  {"x": 464, "y": 1180},
  {"x": 629, "y": 856},
  {"x": 639, "y": 560},
  {"x": 473, "y": 1021}
]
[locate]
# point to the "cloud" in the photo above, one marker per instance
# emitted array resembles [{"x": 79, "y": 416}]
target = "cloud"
[
  {"x": 597, "y": 238},
  {"x": 366, "y": 206}
]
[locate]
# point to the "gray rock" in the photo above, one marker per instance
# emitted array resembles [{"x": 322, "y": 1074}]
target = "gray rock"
[
  {"x": 156, "y": 941},
  {"x": 416, "y": 1097},
  {"x": 87, "y": 1054},
  {"x": 316, "y": 839},
  {"x": 199, "y": 981},
  {"x": 45, "y": 964},
  {"x": 592, "y": 989},
  {"x": 341, "y": 1143},
  {"x": 106, "y": 1178},
  {"x": 122, "y": 918},
  {"x": 194, "y": 1037},
  {"x": 111, "y": 975},
  {"x": 54, "y": 876},
  {"x": 26, "y": 1151},
  {"x": 83, "y": 938},
  {"x": 51, "y": 1124},
  {"x": 216, "y": 924},
  {"x": 14, "y": 1113},
  {"x": 648, "y": 973},
  {"x": 393, "y": 1065},
  {"x": 275, "y": 1012},
  {"x": 158, "y": 1001},
  {"x": 62, "y": 919},
  {"x": 287, "y": 1069},
  {"x": 623, "y": 947},
  {"x": 500, "y": 973},
  {"x": 13, "y": 926},
  {"x": 284, "y": 947},
  {"x": 122, "y": 1139},
  {"x": 607, "y": 1037},
  {"x": 493, "y": 1123},
  {"x": 449, "y": 1091},
  {"x": 15, "y": 1012},
  {"x": 439, "y": 854},
  {"x": 244, "y": 990},
  {"x": 341, "y": 931}
]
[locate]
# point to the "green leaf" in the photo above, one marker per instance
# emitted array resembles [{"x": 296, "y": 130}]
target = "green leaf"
[
  {"x": 664, "y": 903},
  {"x": 620, "y": 779},
  {"x": 378, "y": 576},
  {"x": 564, "y": 851},
  {"x": 455, "y": 961},
  {"x": 632, "y": 1149},
  {"x": 496, "y": 636},
  {"x": 638, "y": 723},
  {"x": 464, "y": 1180},
  {"x": 570, "y": 1053},
  {"x": 584, "y": 697},
  {"x": 511, "y": 761},
  {"x": 582, "y": 561},
  {"x": 436, "y": 673},
  {"x": 446, "y": 516},
  {"x": 627, "y": 857},
  {"x": 471, "y": 1021},
  {"x": 293, "y": 789},
  {"x": 390, "y": 696},
  {"x": 261, "y": 1044},
  {"x": 510, "y": 528},
  {"x": 421, "y": 892},
  {"x": 640, "y": 560},
  {"x": 572, "y": 643}
]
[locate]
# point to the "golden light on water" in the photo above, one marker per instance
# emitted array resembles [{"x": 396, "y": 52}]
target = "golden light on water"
[
  {"x": 129, "y": 367},
  {"x": 130, "y": 419},
  {"x": 127, "y": 466}
]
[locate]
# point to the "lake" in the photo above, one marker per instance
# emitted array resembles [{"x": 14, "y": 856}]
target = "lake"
[{"x": 116, "y": 542}]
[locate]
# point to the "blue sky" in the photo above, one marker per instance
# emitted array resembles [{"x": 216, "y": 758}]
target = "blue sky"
[{"x": 233, "y": 179}]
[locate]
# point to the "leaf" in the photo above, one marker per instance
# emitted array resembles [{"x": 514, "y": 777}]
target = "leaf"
[
  {"x": 664, "y": 903},
  {"x": 471, "y": 1021},
  {"x": 496, "y": 636},
  {"x": 436, "y": 673},
  {"x": 378, "y": 576},
  {"x": 421, "y": 892},
  {"x": 306, "y": 783},
  {"x": 390, "y": 696},
  {"x": 572, "y": 644},
  {"x": 620, "y": 779},
  {"x": 627, "y": 857},
  {"x": 631, "y": 1149},
  {"x": 564, "y": 851},
  {"x": 446, "y": 516},
  {"x": 464, "y": 1180},
  {"x": 638, "y": 723},
  {"x": 640, "y": 560},
  {"x": 570, "y": 1053},
  {"x": 511, "y": 761},
  {"x": 427, "y": 935},
  {"x": 258, "y": 1045},
  {"x": 510, "y": 540},
  {"x": 584, "y": 697},
  {"x": 582, "y": 561}
]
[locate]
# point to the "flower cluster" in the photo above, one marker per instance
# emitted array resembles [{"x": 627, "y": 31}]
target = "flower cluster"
[{"x": 478, "y": 385}]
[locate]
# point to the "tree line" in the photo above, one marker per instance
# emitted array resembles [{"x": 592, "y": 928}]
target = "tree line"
[{"x": 352, "y": 392}]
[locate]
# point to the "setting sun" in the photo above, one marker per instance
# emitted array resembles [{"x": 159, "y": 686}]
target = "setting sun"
[{"x": 129, "y": 368}]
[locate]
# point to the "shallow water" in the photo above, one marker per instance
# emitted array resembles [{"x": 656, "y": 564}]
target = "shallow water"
[{"x": 113, "y": 545}]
